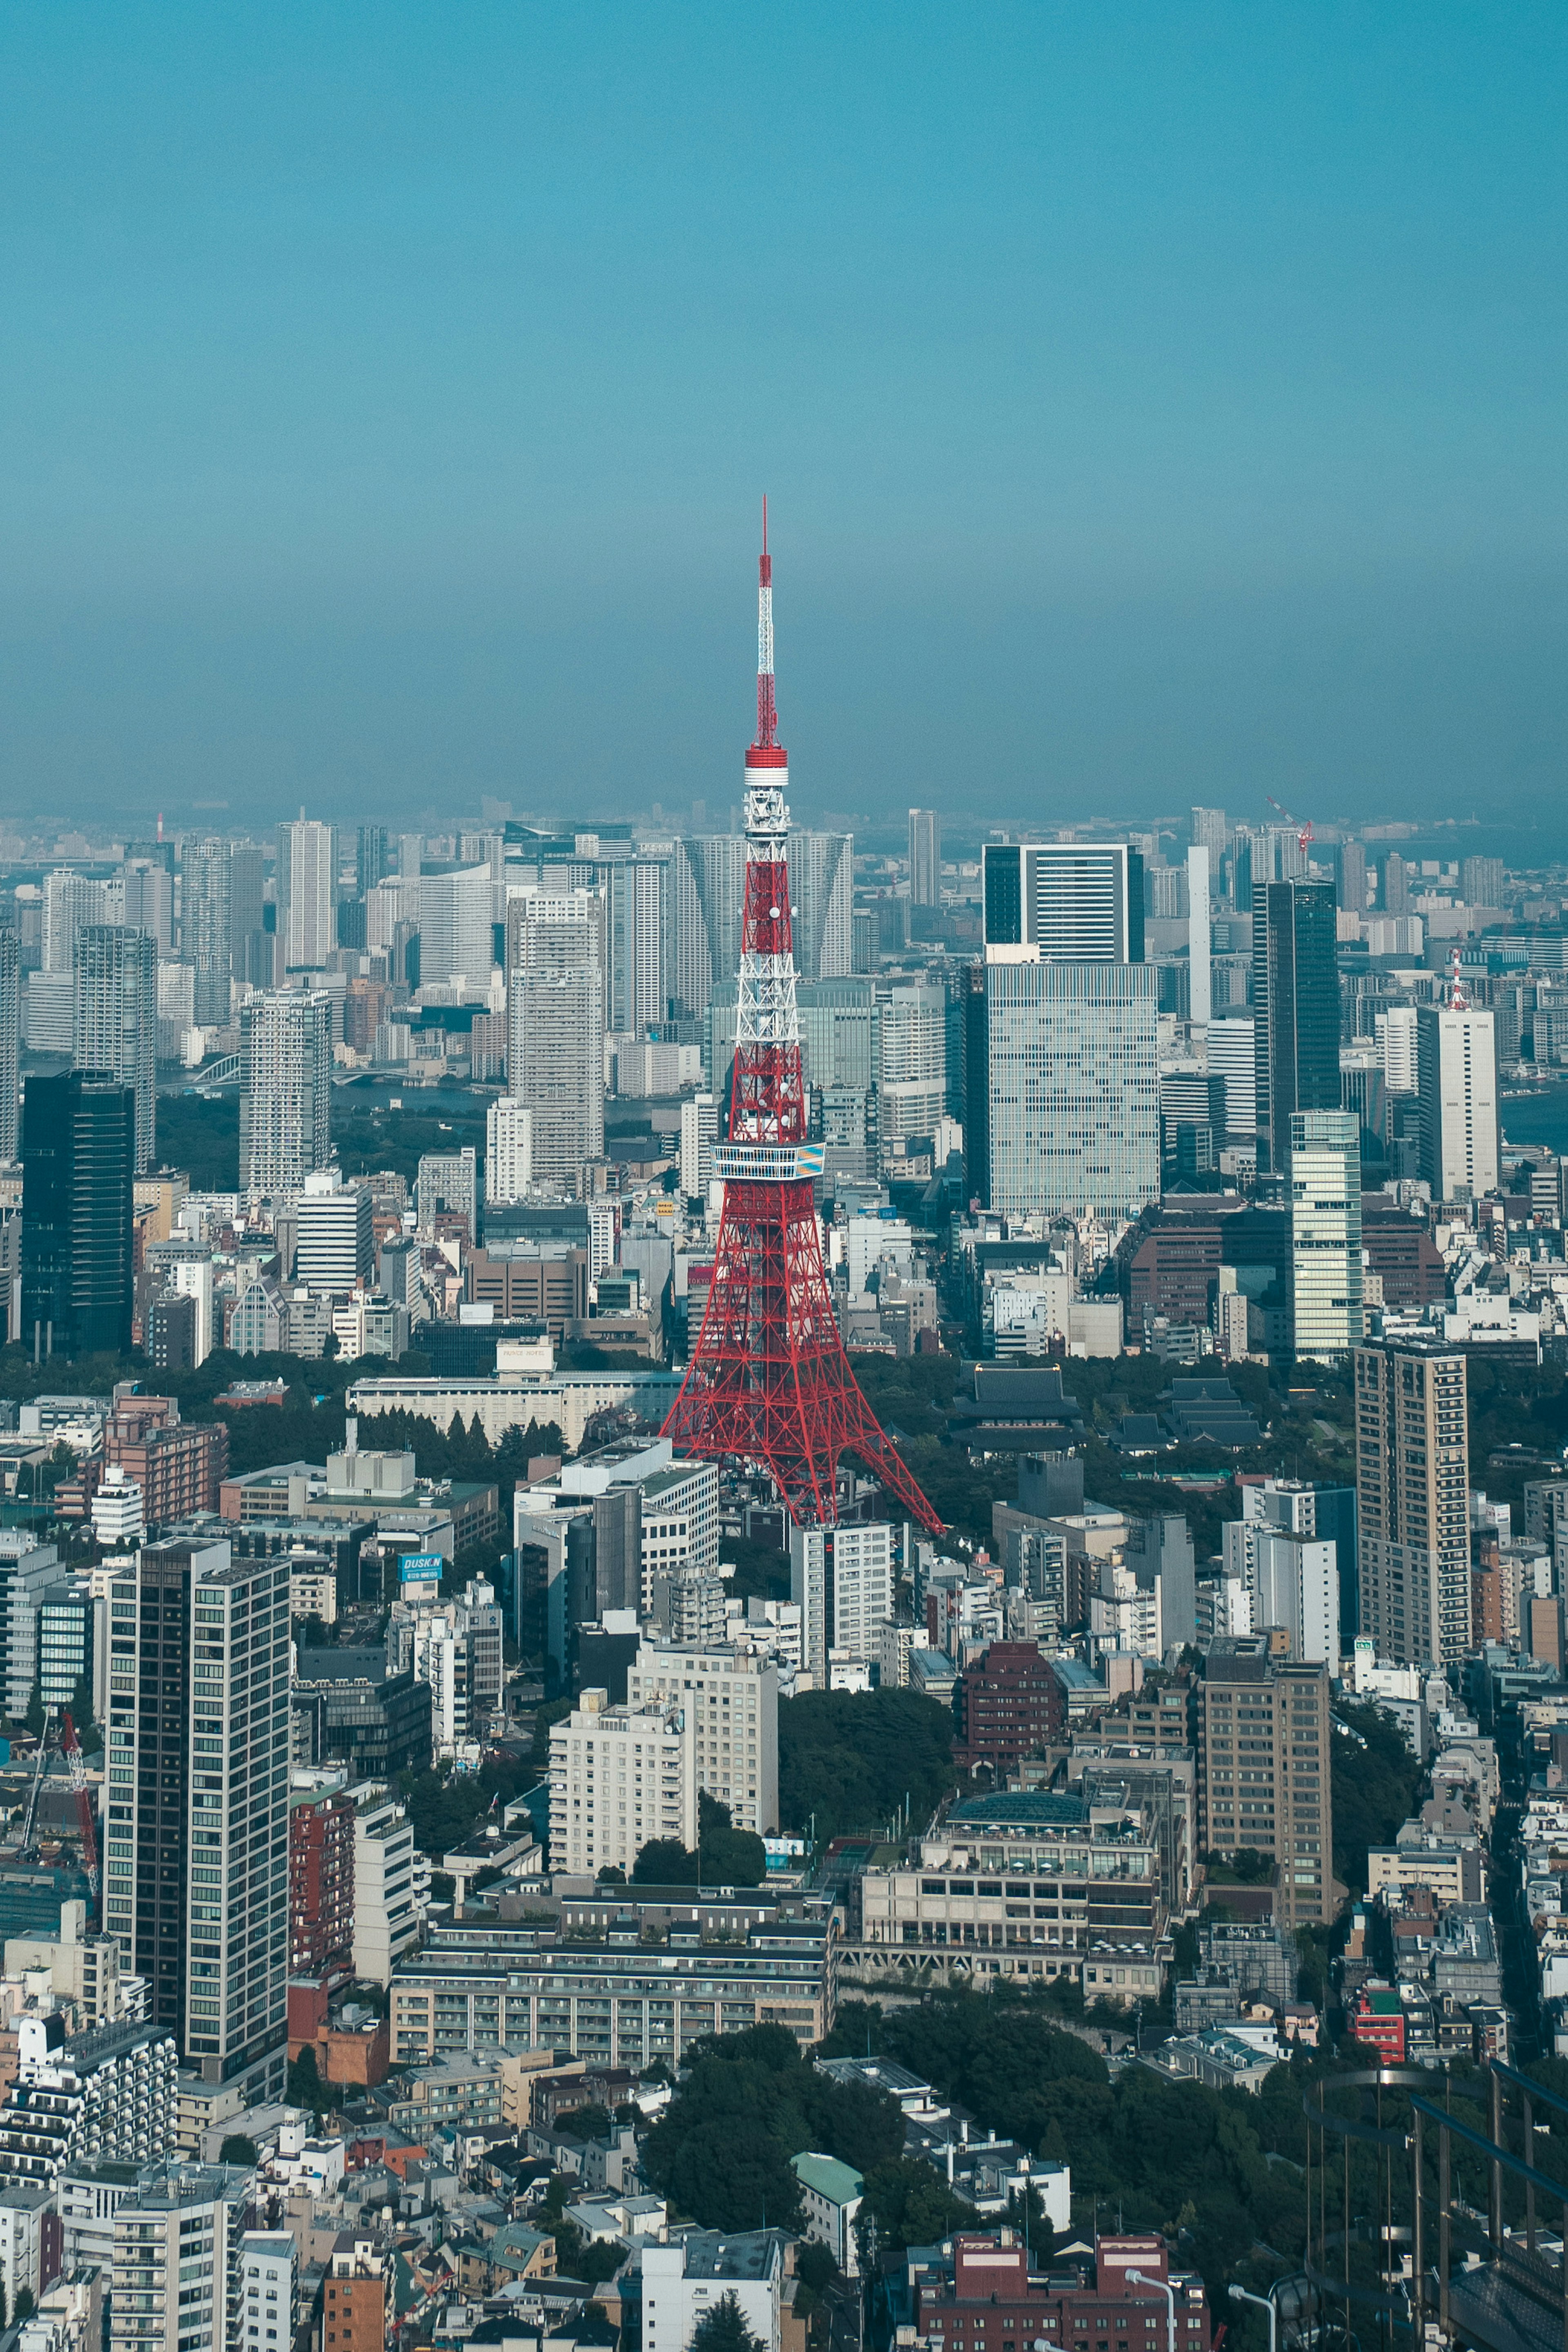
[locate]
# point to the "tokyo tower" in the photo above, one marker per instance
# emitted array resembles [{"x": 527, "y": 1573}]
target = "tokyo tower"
[{"x": 769, "y": 1383}]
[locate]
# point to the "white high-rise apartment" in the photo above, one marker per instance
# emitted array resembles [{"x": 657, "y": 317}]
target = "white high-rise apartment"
[
  {"x": 387, "y": 1916},
  {"x": 841, "y": 1578},
  {"x": 186, "y": 1267},
  {"x": 1395, "y": 1031},
  {"x": 1293, "y": 1582},
  {"x": 911, "y": 1059},
  {"x": 410, "y": 855},
  {"x": 178, "y": 2272},
  {"x": 555, "y": 1025},
  {"x": 69, "y": 901},
  {"x": 1413, "y": 1518},
  {"x": 450, "y": 1181},
  {"x": 1455, "y": 1079},
  {"x": 285, "y": 1103},
  {"x": 196, "y": 1836},
  {"x": 206, "y": 928},
  {"x": 732, "y": 1696},
  {"x": 509, "y": 1150},
  {"x": 147, "y": 896},
  {"x": 1324, "y": 1181},
  {"x": 334, "y": 1247},
  {"x": 925, "y": 858},
  {"x": 456, "y": 932},
  {"x": 708, "y": 881},
  {"x": 307, "y": 894},
  {"x": 620, "y": 1776},
  {"x": 115, "y": 1018},
  {"x": 822, "y": 888},
  {"x": 1206, "y": 830},
  {"x": 1200, "y": 936},
  {"x": 699, "y": 1134},
  {"x": 636, "y": 917}
]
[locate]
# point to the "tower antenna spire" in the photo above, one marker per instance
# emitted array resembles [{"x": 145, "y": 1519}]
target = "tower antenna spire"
[{"x": 767, "y": 712}]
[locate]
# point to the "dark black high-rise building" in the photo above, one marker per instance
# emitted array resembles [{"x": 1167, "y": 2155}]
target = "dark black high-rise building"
[
  {"x": 79, "y": 1159},
  {"x": 1295, "y": 1008}
]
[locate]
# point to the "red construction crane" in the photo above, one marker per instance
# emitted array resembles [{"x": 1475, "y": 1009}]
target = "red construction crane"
[
  {"x": 1303, "y": 825},
  {"x": 70, "y": 1748}
]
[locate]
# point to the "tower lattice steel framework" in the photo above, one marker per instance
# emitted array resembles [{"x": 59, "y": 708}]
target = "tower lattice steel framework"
[{"x": 769, "y": 1381}]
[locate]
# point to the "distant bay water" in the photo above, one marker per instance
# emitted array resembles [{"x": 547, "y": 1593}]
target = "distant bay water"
[{"x": 1536, "y": 1121}]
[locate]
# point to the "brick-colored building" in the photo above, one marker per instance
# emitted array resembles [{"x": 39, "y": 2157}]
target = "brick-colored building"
[
  {"x": 1009, "y": 1704},
  {"x": 321, "y": 1883},
  {"x": 532, "y": 1283},
  {"x": 990, "y": 2294},
  {"x": 354, "y": 2296},
  {"x": 179, "y": 1466},
  {"x": 1378, "y": 2019}
]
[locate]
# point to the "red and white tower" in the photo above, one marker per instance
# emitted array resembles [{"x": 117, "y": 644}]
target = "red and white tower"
[{"x": 769, "y": 1381}]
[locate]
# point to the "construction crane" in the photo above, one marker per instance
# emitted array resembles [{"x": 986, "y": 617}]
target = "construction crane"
[
  {"x": 71, "y": 1746},
  {"x": 1303, "y": 825},
  {"x": 32, "y": 1812}
]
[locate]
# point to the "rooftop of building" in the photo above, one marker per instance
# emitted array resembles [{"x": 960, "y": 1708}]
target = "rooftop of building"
[{"x": 1029, "y": 1808}]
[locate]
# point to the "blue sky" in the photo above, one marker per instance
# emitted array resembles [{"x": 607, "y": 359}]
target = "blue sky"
[{"x": 1156, "y": 403}]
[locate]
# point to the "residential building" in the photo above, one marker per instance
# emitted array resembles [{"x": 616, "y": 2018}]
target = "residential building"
[
  {"x": 448, "y": 1182},
  {"x": 841, "y": 1578},
  {"x": 699, "y": 1134},
  {"x": 555, "y": 1025},
  {"x": 683, "y": 2282},
  {"x": 320, "y": 1881},
  {"x": 25, "y": 2219},
  {"x": 596, "y": 1986},
  {"x": 731, "y": 1697},
  {"x": 285, "y": 1103},
  {"x": 1295, "y": 1008},
  {"x": 197, "y": 1833},
  {"x": 831, "y": 2195},
  {"x": 386, "y": 1908},
  {"x": 1456, "y": 1080},
  {"x": 179, "y": 1466},
  {"x": 83, "y": 1967},
  {"x": 178, "y": 2268},
  {"x": 1266, "y": 1771},
  {"x": 925, "y": 858},
  {"x": 116, "y": 1018},
  {"x": 334, "y": 1247},
  {"x": 985, "y": 2290},
  {"x": 1323, "y": 1175},
  {"x": 207, "y": 936},
  {"x": 307, "y": 894},
  {"x": 620, "y": 1776},
  {"x": 509, "y": 1151},
  {"x": 457, "y": 937},
  {"x": 105, "y": 2095},
  {"x": 1412, "y": 1502},
  {"x": 355, "y": 2295},
  {"x": 1072, "y": 1087},
  {"x": 79, "y": 1165},
  {"x": 1200, "y": 936},
  {"x": 1063, "y": 902},
  {"x": 184, "y": 1268},
  {"x": 269, "y": 2268},
  {"x": 1292, "y": 1582},
  {"x": 1010, "y": 1703}
]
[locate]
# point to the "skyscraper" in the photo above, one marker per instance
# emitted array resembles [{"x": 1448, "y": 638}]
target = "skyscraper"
[
  {"x": 10, "y": 1041},
  {"x": 925, "y": 858},
  {"x": 1072, "y": 1087},
  {"x": 1078, "y": 901},
  {"x": 307, "y": 894},
  {"x": 1324, "y": 1178},
  {"x": 1295, "y": 1008},
  {"x": 116, "y": 1018},
  {"x": 911, "y": 1019},
  {"x": 637, "y": 933},
  {"x": 372, "y": 861},
  {"x": 1200, "y": 936},
  {"x": 79, "y": 1159},
  {"x": 247, "y": 894},
  {"x": 555, "y": 1025},
  {"x": 1232, "y": 1056},
  {"x": 196, "y": 1842},
  {"x": 1206, "y": 830},
  {"x": 457, "y": 934},
  {"x": 1481, "y": 881},
  {"x": 70, "y": 899},
  {"x": 207, "y": 940},
  {"x": 285, "y": 1103},
  {"x": 1349, "y": 875},
  {"x": 707, "y": 884},
  {"x": 1456, "y": 1079},
  {"x": 1413, "y": 1462},
  {"x": 822, "y": 883}
]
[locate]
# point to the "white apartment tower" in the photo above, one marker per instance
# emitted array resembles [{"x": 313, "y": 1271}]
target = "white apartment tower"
[
  {"x": 732, "y": 1696},
  {"x": 307, "y": 894},
  {"x": 178, "y": 2268},
  {"x": 334, "y": 1246},
  {"x": 1413, "y": 1514},
  {"x": 1455, "y": 1078},
  {"x": 841, "y": 1578},
  {"x": 555, "y": 1026},
  {"x": 699, "y": 1134},
  {"x": 285, "y": 1103},
  {"x": 925, "y": 858},
  {"x": 620, "y": 1776},
  {"x": 1324, "y": 1181},
  {"x": 509, "y": 1150}
]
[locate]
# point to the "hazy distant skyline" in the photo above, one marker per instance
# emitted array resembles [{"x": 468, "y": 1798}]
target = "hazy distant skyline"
[{"x": 1156, "y": 405}]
